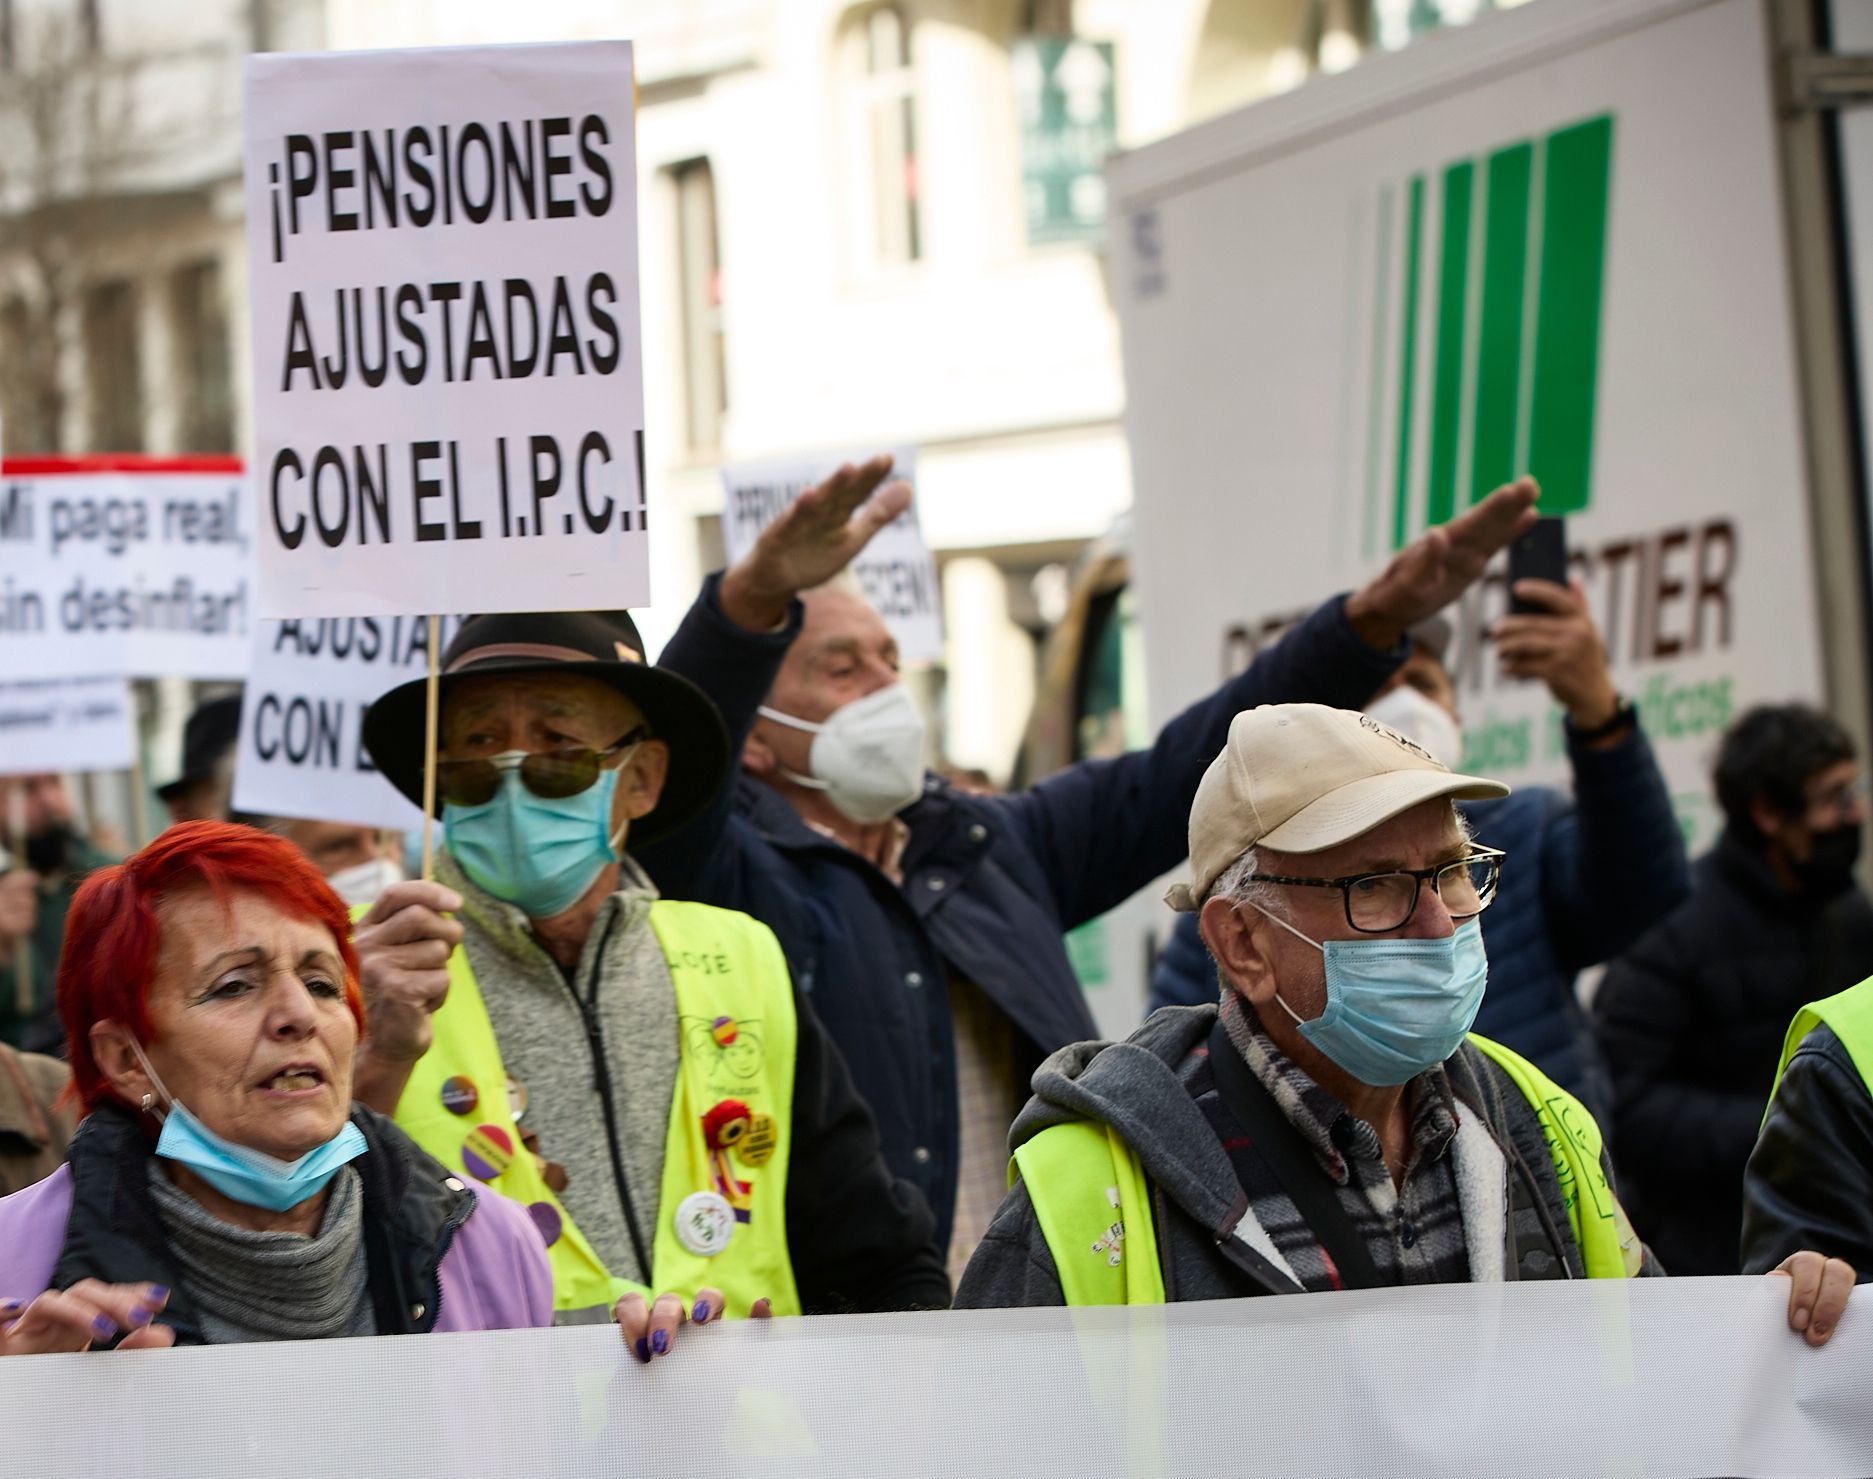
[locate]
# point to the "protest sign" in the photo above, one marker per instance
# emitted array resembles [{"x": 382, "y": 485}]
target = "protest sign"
[
  {"x": 448, "y": 399},
  {"x": 301, "y": 750},
  {"x": 66, "y": 724},
  {"x": 897, "y": 569},
  {"x": 132, "y": 566},
  {"x": 1568, "y": 1379}
]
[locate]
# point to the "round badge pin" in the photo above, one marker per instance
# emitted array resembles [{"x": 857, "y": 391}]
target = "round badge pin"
[
  {"x": 547, "y": 1219},
  {"x": 757, "y": 1147},
  {"x": 459, "y": 1095},
  {"x": 724, "y": 1030},
  {"x": 517, "y": 1098},
  {"x": 487, "y": 1152},
  {"x": 704, "y": 1223}
]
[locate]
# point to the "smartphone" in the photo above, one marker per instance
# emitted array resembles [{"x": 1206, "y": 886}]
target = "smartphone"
[{"x": 1540, "y": 554}]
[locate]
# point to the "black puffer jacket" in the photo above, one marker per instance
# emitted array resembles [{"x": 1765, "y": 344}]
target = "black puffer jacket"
[
  {"x": 1692, "y": 1020},
  {"x": 1810, "y": 1180}
]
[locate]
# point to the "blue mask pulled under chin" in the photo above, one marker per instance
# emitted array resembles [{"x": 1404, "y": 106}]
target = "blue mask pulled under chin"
[
  {"x": 538, "y": 853},
  {"x": 250, "y": 1177}
]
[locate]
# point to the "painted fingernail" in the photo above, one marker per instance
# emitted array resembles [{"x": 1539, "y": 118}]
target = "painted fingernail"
[
  {"x": 156, "y": 1295},
  {"x": 104, "y": 1325},
  {"x": 643, "y": 1351},
  {"x": 660, "y": 1342},
  {"x": 139, "y": 1317},
  {"x": 11, "y": 1306},
  {"x": 1820, "y": 1330},
  {"x": 701, "y": 1313}
]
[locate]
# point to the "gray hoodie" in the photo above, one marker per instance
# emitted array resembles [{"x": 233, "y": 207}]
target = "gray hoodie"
[{"x": 1209, "y": 1244}]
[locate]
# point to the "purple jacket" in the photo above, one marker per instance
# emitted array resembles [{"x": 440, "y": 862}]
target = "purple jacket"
[{"x": 493, "y": 1276}]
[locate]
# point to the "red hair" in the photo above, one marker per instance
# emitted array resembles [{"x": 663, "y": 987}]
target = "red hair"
[{"x": 114, "y": 929}]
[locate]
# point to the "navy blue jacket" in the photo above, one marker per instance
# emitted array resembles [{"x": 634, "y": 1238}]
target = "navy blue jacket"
[
  {"x": 1584, "y": 878},
  {"x": 990, "y": 883}
]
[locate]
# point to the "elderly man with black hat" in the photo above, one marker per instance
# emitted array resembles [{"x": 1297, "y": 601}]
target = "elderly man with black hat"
[
  {"x": 1332, "y": 1124},
  {"x": 638, "y": 1072}
]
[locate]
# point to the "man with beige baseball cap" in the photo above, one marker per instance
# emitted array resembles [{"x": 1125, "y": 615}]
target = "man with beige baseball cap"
[{"x": 1330, "y": 1124}]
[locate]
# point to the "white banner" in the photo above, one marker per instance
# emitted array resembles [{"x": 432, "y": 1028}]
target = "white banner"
[
  {"x": 66, "y": 725},
  {"x": 448, "y": 397},
  {"x": 1654, "y": 1377},
  {"x": 897, "y": 569},
  {"x": 301, "y": 751},
  {"x": 124, "y": 566}
]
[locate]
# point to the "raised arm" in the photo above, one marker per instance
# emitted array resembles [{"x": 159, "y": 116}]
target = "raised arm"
[{"x": 1105, "y": 828}]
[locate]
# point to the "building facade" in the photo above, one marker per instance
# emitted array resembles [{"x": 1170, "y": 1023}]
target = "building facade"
[{"x": 862, "y": 225}]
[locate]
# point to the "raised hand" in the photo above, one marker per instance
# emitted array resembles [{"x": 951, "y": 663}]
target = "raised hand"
[
  {"x": 403, "y": 945},
  {"x": 1432, "y": 571},
  {"x": 817, "y": 537},
  {"x": 1560, "y": 646}
]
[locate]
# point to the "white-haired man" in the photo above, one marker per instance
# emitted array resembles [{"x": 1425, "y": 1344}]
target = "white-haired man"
[{"x": 1332, "y": 1124}]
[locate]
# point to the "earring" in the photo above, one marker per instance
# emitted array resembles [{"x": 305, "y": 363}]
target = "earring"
[{"x": 148, "y": 1102}]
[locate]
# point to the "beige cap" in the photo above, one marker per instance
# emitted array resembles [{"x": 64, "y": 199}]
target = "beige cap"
[{"x": 1303, "y": 778}]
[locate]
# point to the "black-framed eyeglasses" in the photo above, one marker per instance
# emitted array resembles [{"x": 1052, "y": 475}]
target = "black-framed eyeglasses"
[
  {"x": 550, "y": 774},
  {"x": 1377, "y": 903}
]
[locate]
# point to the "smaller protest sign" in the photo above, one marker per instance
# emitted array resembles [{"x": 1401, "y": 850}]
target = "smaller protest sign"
[
  {"x": 124, "y": 565},
  {"x": 66, "y": 724},
  {"x": 897, "y": 569},
  {"x": 310, "y": 684}
]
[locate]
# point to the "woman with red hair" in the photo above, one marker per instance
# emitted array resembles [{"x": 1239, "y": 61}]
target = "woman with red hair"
[{"x": 223, "y": 1186}]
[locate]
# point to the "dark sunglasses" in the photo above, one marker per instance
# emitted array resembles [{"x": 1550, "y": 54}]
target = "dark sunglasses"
[{"x": 551, "y": 775}]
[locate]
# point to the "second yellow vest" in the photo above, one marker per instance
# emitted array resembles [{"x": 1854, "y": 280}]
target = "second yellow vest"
[{"x": 730, "y": 1127}]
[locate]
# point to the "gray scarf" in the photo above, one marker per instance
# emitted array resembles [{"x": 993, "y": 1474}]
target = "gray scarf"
[{"x": 271, "y": 1285}]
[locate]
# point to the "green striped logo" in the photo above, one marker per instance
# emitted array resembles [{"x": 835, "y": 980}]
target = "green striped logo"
[{"x": 1487, "y": 365}]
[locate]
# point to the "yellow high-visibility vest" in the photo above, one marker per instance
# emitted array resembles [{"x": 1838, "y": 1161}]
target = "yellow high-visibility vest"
[
  {"x": 1091, "y": 1198},
  {"x": 722, "y": 1211},
  {"x": 1850, "y": 1014}
]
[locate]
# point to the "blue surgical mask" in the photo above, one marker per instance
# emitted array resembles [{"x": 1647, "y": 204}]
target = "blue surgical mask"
[
  {"x": 538, "y": 853},
  {"x": 1396, "y": 1007},
  {"x": 244, "y": 1175}
]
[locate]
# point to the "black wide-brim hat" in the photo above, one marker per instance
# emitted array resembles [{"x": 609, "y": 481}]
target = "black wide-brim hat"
[{"x": 600, "y": 645}]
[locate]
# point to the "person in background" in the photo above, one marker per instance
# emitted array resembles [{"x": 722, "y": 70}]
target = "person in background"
[
  {"x": 36, "y": 1122},
  {"x": 1694, "y": 1016},
  {"x": 60, "y": 857},
  {"x": 359, "y": 862},
  {"x": 1594, "y": 869},
  {"x": 201, "y": 792},
  {"x": 929, "y": 922}
]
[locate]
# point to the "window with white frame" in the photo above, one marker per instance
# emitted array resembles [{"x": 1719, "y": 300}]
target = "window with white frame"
[{"x": 880, "y": 129}]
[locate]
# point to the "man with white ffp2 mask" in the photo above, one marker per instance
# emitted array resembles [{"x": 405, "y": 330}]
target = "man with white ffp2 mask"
[
  {"x": 359, "y": 862},
  {"x": 1594, "y": 868},
  {"x": 927, "y": 921}
]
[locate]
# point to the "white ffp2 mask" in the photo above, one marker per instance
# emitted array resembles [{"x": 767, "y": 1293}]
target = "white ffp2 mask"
[
  {"x": 1421, "y": 720},
  {"x": 867, "y": 757}
]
